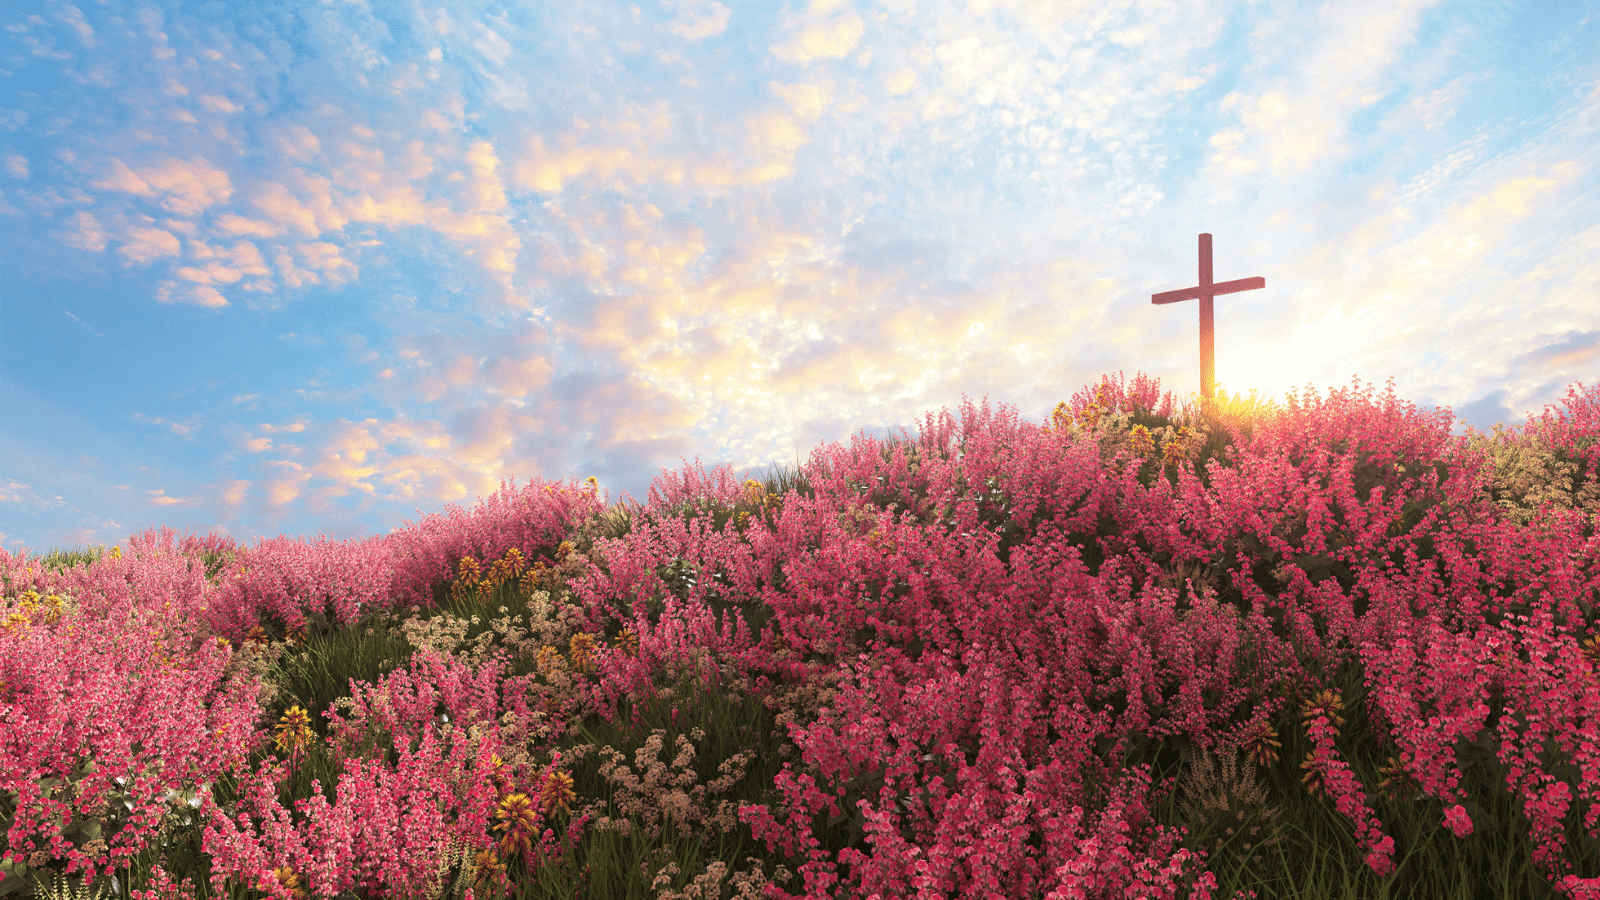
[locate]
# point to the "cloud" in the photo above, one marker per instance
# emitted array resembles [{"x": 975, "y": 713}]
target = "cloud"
[
  {"x": 87, "y": 234},
  {"x": 699, "y": 19},
  {"x": 123, "y": 179},
  {"x": 901, "y": 81},
  {"x": 808, "y": 100},
  {"x": 212, "y": 274},
  {"x": 228, "y": 223},
  {"x": 638, "y": 145},
  {"x": 310, "y": 212},
  {"x": 181, "y": 429},
  {"x": 195, "y": 294},
  {"x": 186, "y": 188},
  {"x": 1184, "y": 85},
  {"x": 487, "y": 192},
  {"x": 297, "y": 142},
  {"x": 1296, "y": 141},
  {"x": 318, "y": 256},
  {"x": 73, "y": 17},
  {"x": 1302, "y": 118},
  {"x": 214, "y": 103},
  {"x": 1511, "y": 197},
  {"x": 822, "y": 40},
  {"x": 145, "y": 245}
]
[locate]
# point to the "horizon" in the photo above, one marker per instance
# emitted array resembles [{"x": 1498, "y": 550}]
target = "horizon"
[{"x": 306, "y": 270}]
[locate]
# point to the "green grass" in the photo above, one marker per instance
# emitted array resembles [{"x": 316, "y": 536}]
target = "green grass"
[{"x": 1278, "y": 841}]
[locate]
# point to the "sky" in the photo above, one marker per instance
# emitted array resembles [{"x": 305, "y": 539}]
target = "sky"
[{"x": 321, "y": 269}]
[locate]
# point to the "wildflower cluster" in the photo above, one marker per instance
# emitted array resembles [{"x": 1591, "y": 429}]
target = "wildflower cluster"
[{"x": 946, "y": 669}]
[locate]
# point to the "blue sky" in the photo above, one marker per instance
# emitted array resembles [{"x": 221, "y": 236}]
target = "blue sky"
[{"x": 321, "y": 268}]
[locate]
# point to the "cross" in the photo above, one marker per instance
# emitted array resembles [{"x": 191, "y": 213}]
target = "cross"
[{"x": 1205, "y": 291}]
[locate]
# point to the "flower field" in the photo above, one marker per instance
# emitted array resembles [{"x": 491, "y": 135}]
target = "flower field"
[{"x": 1226, "y": 651}]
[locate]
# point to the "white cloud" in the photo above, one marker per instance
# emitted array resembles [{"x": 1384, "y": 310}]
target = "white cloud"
[
  {"x": 699, "y": 19},
  {"x": 86, "y": 233},
  {"x": 145, "y": 245},
  {"x": 185, "y": 188},
  {"x": 822, "y": 40}
]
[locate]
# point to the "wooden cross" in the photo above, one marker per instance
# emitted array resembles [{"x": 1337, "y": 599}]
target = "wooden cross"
[{"x": 1205, "y": 291}]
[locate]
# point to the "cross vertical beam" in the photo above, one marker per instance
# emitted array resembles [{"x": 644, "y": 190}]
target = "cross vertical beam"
[{"x": 1204, "y": 292}]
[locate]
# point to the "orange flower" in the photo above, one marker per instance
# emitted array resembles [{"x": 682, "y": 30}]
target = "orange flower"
[
  {"x": 547, "y": 660},
  {"x": 293, "y": 731},
  {"x": 1397, "y": 783},
  {"x": 287, "y": 877},
  {"x": 1326, "y": 703},
  {"x": 1314, "y": 775},
  {"x": 1262, "y": 744},
  {"x": 556, "y": 793},
  {"x": 629, "y": 642},
  {"x": 518, "y": 820},
  {"x": 580, "y": 648}
]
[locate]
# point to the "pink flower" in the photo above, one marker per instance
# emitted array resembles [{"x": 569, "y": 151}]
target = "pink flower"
[{"x": 1456, "y": 819}]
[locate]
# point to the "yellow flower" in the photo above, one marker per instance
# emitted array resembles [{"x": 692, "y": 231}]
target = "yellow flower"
[
  {"x": 1060, "y": 418},
  {"x": 293, "y": 730},
  {"x": 548, "y": 660},
  {"x": 1172, "y": 452},
  {"x": 287, "y": 877},
  {"x": 755, "y": 493},
  {"x": 1262, "y": 744},
  {"x": 580, "y": 648},
  {"x": 556, "y": 793},
  {"x": 497, "y": 774},
  {"x": 15, "y": 620},
  {"x": 629, "y": 642},
  {"x": 1313, "y": 776},
  {"x": 518, "y": 820},
  {"x": 1139, "y": 438},
  {"x": 1326, "y": 703},
  {"x": 488, "y": 863},
  {"x": 1397, "y": 783}
]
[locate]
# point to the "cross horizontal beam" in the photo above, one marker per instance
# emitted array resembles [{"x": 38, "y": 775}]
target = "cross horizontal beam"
[{"x": 1214, "y": 290}]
